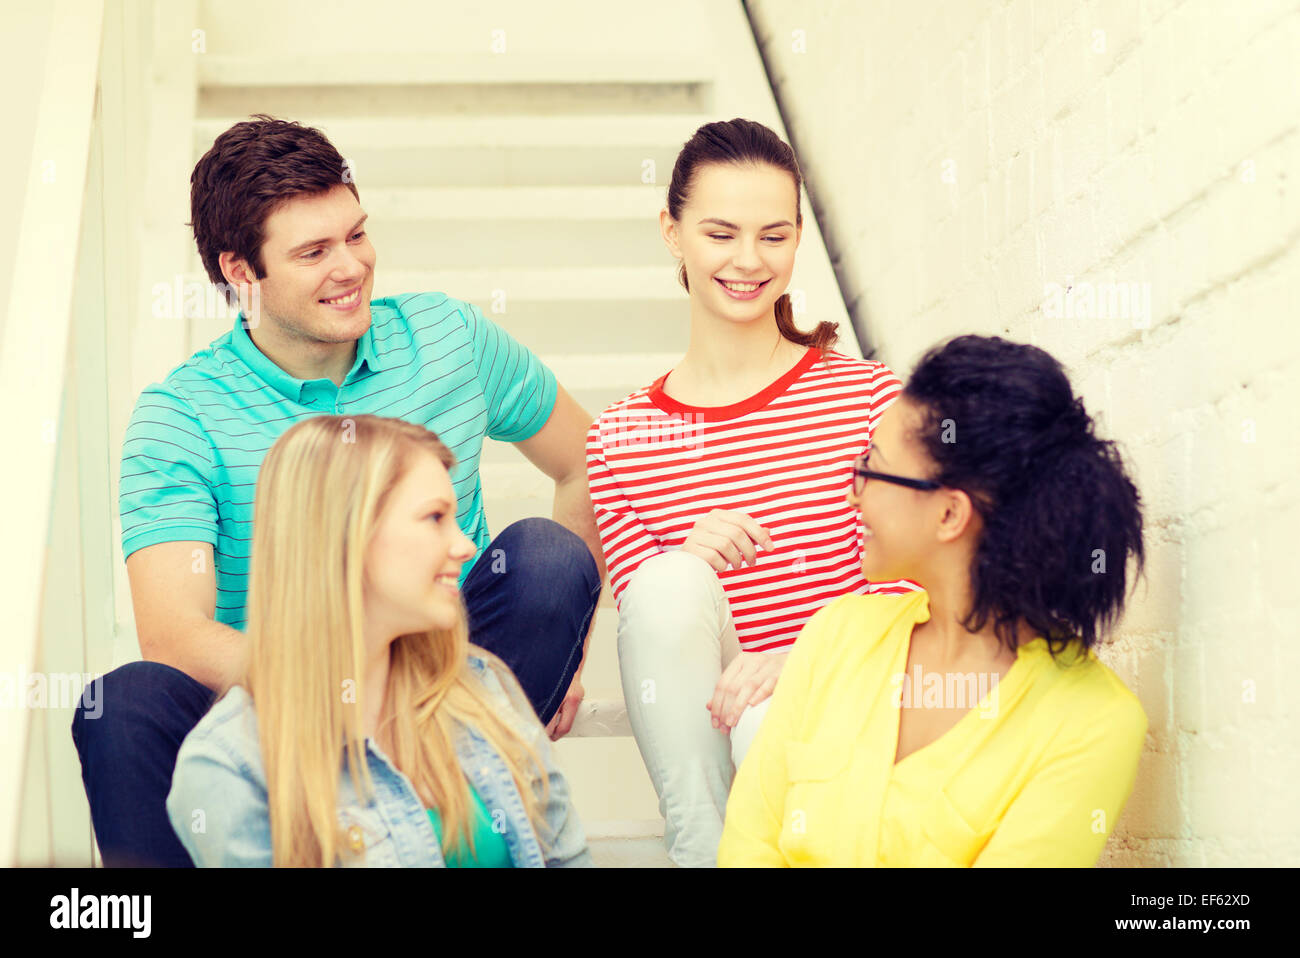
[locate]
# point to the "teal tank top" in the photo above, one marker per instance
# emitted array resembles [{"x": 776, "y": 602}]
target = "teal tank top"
[{"x": 490, "y": 845}]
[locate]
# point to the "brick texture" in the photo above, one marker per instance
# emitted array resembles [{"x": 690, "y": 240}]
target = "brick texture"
[{"x": 961, "y": 157}]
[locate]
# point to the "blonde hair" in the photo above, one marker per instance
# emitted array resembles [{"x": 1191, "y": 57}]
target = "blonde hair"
[{"x": 320, "y": 493}]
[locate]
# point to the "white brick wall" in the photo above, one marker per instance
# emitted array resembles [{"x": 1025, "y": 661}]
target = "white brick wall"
[{"x": 961, "y": 156}]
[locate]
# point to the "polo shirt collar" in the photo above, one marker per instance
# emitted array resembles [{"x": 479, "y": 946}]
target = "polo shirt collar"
[{"x": 289, "y": 386}]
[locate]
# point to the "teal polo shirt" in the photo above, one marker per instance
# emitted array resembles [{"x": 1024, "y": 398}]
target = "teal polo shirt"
[{"x": 196, "y": 440}]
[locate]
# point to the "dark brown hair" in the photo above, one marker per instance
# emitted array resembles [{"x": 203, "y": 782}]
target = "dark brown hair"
[
  {"x": 249, "y": 173},
  {"x": 745, "y": 143}
]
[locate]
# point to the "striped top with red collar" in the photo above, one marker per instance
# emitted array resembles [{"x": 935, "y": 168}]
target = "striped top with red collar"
[{"x": 783, "y": 456}]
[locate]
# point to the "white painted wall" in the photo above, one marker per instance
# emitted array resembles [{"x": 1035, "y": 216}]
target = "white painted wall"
[{"x": 963, "y": 156}]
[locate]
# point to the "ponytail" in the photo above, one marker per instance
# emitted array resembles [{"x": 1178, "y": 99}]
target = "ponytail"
[{"x": 823, "y": 338}]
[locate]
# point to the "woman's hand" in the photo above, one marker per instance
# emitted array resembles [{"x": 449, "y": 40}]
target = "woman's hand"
[
  {"x": 725, "y": 538},
  {"x": 748, "y": 680}
]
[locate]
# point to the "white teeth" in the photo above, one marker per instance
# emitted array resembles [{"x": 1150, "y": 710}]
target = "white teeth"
[
  {"x": 343, "y": 300},
  {"x": 741, "y": 287}
]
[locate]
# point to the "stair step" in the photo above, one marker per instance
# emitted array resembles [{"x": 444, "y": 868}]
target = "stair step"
[
  {"x": 437, "y": 133},
  {"x": 602, "y": 226},
  {"x": 620, "y": 850},
  {"x": 392, "y": 157},
  {"x": 609, "y": 783},
  {"x": 512, "y": 481},
  {"x": 478, "y": 285},
  {"x": 600, "y": 676},
  {"x": 375, "y": 88},
  {"x": 533, "y": 243},
  {"x": 601, "y": 717},
  {"x": 598, "y": 327},
  {"x": 617, "y": 371},
  {"x": 450, "y": 69},
  {"x": 640, "y": 203}
]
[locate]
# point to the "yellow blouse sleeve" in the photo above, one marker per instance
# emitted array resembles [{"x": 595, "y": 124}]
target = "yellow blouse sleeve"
[
  {"x": 756, "y": 805},
  {"x": 1064, "y": 815}
]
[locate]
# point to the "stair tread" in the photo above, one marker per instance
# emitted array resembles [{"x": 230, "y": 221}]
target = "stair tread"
[
  {"x": 494, "y": 130},
  {"x": 326, "y": 70},
  {"x": 640, "y": 202}
]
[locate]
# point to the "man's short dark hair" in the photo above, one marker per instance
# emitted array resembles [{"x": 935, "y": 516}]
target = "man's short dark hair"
[{"x": 249, "y": 173}]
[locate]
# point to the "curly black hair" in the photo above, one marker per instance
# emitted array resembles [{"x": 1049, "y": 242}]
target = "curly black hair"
[{"x": 1061, "y": 516}]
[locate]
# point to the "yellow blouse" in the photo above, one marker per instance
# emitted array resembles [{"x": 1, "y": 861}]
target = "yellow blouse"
[{"x": 1035, "y": 774}]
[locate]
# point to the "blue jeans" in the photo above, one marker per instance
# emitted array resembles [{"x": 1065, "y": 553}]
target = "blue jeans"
[{"x": 530, "y": 598}]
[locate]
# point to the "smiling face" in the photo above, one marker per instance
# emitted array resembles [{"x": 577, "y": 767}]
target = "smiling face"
[
  {"x": 737, "y": 238},
  {"x": 903, "y": 526},
  {"x": 415, "y": 556},
  {"x": 320, "y": 268}
]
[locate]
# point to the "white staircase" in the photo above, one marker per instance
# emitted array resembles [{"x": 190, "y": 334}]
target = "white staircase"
[{"x": 516, "y": 155}]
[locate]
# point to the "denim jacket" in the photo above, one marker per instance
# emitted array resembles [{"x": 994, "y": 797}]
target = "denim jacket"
[{"x": 218, "y": 801}]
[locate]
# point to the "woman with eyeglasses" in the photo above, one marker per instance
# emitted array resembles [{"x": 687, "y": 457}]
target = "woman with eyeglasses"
[
  {"x": 719, "y": 488},
  {"x": 970, "y": 723}
]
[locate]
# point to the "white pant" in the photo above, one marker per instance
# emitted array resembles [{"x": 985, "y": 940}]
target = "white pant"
[{"x": 675, "y": 636}]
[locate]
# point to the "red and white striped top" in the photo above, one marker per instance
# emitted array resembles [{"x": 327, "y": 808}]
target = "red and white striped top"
[{"x": 783, "y": 456}]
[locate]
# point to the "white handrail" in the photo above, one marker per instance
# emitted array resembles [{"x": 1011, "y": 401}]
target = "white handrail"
[{"x": 33, "y": 361}]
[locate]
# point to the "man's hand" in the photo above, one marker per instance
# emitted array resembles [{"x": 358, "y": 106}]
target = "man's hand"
[
  {"x": 562, "y": 721},
  {"x": 748, "y": 680}
]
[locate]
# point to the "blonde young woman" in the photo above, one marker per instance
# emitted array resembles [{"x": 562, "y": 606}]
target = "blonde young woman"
[{"x": 366, "y": 729}]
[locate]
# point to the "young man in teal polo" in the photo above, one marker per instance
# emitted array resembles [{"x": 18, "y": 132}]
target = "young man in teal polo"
[{"x": 281, "y": 229}]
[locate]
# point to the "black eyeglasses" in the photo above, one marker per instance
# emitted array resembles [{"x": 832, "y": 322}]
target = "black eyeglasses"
[{"x": 861, "y": 474}]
